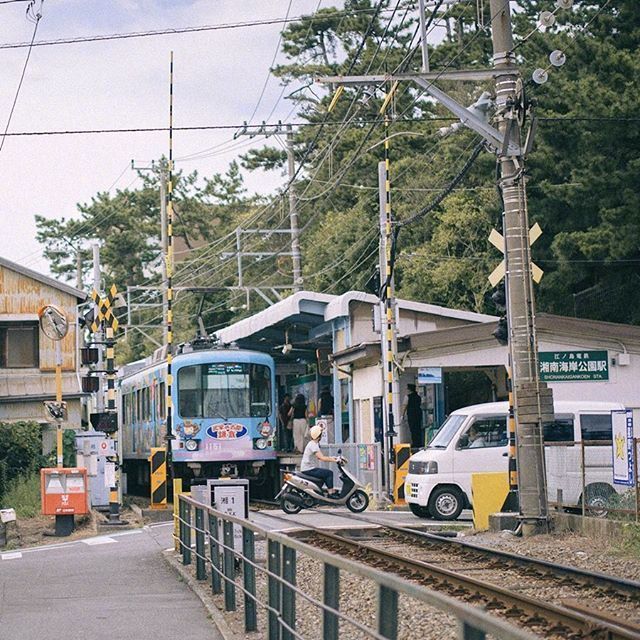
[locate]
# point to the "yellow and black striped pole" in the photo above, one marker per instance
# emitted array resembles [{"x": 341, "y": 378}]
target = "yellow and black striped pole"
[
  {"x": 511, "y": 503},
  {"x": 114, "y": 502},
  {"x": 158, "y": 460},
  {"x": 169, "y": 271}
]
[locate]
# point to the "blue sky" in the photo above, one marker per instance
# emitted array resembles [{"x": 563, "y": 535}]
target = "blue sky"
[{"x": 124, "y": 83}]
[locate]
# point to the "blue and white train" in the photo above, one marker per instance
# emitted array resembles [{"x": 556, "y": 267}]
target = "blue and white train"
[{"x": 224, "y": 413}]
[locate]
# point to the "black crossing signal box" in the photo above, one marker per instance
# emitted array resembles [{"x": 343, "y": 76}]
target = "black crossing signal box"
[{"x": 104, "y": 421}]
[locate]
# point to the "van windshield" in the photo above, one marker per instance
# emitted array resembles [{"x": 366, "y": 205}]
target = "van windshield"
[{"x": 446, "y": 432}]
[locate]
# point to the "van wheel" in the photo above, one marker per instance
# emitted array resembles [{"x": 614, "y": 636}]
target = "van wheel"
[
  {"x": 599, "y": 500},
  {"x": 446, "y": 503},
  {"x": 420, "y": 512}
]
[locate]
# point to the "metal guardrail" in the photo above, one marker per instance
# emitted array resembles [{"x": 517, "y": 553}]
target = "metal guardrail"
[{"x": 283, "y": 591}]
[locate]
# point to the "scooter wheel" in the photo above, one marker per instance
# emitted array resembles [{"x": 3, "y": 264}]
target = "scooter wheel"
[
  {"x": 289, "y": 506},
  {"x": 358, "y": 502}
]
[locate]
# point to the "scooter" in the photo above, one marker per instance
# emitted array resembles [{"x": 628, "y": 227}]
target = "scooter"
[{"x": 301, "y": 491}]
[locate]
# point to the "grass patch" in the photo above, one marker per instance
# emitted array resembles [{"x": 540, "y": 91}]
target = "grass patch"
[
  {"x": 630, "y": 542},
  {"x": 23, "y": 495}
]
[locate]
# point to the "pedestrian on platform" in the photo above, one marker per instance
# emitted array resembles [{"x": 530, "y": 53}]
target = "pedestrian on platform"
[
  {"x": 412, "y": 410},
  {"x": 325, "y": 402},
  {"x": 286, "y": 423},
  {"x": 312, "y": 453},
  {"x": 300, "y": 417}
]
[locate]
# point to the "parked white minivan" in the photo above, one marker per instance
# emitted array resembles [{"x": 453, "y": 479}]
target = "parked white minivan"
[{"x": 474, "y": 439}]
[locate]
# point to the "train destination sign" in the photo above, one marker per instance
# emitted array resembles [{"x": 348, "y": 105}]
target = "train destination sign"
[{"x": 567, "y": 366}]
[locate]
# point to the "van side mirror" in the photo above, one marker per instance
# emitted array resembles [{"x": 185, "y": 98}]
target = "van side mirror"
[{"x": 463, "y": 443}]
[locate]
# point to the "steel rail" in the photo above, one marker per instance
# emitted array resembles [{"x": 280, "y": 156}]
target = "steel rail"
[{"x": 514, "y": 605}]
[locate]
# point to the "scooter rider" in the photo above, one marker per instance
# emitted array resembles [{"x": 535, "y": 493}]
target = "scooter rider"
[{"x": 311, "y": 453}]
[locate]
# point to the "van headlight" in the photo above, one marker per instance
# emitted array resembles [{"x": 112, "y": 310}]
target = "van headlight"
[{"x": 420, "y": 467}]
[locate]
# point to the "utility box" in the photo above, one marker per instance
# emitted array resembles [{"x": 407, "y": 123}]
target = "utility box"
[
  {"x": 64, "y": 491},
  {"x": 92, "y": 450}
]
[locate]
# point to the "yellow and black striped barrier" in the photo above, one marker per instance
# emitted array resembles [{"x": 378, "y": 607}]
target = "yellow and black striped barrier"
[
  {"x": 158, "y": 460},
  {"x": 402, "y": 455}
]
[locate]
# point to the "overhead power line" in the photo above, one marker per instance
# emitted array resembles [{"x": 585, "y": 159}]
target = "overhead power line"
[{"x": 173, "y": 31}]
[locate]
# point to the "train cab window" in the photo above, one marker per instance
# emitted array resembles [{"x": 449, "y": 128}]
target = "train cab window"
[{"x": 224, "y": 390}]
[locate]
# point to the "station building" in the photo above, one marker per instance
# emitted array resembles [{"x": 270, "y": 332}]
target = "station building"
[
  {"x": 319, "y": 340},
  {"x": 27, "y": 356}
]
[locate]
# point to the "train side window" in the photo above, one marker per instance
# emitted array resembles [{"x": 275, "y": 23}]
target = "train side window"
[
  {"x": 596, "y": 427},
  {"x": 162, "y": 398},
  {"x": 136, "y": 405},
  {"x": 560, "y": 430}
]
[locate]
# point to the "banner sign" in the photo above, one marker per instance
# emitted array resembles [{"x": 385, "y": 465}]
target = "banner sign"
[
  {"x": 567, "y": 366},
  {"x": 430, "y": 375},
  {"x": 622, "y": 424}
]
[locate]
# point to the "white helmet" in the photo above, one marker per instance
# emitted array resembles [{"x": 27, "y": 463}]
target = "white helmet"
[{"x": 315, "y": 432}]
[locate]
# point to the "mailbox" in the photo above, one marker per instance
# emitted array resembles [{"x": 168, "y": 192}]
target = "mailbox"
[{"x": 64, "y": 491}]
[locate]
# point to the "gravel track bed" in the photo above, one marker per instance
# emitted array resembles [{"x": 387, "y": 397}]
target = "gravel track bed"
[
  {"x": 358, "y": 599},
  {"x": 550, "y": 589}
]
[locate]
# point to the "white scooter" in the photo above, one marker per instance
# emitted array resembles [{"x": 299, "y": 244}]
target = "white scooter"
[{"x": 301, "y": 491}]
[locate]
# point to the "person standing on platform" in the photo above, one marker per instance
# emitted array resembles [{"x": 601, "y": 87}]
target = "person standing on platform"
[
  {"x": 325, "y": 402},
  {"x": 412, "y": 410},
  {"x": 286, "y": 423},
  {"x": 300, "y": 417}
]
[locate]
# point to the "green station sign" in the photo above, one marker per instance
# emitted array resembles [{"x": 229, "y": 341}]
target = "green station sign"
[{"x": 567, "y": 366}]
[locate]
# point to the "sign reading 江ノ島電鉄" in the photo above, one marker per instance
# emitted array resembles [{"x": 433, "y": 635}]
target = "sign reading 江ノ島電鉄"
[
  {"x": 622, "y": 445},
  {"x": 558, "y": 366}
]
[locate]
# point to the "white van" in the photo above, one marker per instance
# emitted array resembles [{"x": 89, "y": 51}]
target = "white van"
[{"x": 474, "y": 439}]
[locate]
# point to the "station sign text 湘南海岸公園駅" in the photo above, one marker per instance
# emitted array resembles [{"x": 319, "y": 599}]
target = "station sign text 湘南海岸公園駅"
[{"x": 559, "y": 366}]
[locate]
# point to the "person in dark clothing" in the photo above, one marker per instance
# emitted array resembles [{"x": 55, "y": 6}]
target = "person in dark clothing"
[
  {"x": 300, "y": 417},
  {"x": 325, "y": 402},
  {"x": 412, "y": 409},
  {"x": 286, "y": 423}
]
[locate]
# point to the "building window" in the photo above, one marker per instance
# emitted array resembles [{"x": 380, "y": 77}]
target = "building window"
[{"x": 19, "y": 345}]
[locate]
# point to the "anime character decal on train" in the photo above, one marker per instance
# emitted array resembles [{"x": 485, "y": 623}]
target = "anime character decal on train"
[{"x": 224, "y": 411}]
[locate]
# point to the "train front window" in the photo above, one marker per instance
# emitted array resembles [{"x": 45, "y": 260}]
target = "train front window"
[{"x": 224, "y": 390}]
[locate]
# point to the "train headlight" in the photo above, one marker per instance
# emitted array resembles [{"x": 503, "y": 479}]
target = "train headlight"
[
  {"x": 265, "y": 429},
  {"x": 191, "y": 445},
  {"x": 260, "y": 443}
]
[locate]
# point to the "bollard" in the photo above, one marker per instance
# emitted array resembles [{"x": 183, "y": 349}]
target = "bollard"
[
  {"x": 214, "y": 549},
  {"x": 273, "y": 565},
  {"x": 183, "y": 529},
  {"x": 249, "y": 577},
  {"x": 229, "y": 567},
  {"x": 288, "y": 594},
  {"x": 201, "y": 570},
  {"x": 331, "y": 599},
  {"x": 177, "y": 531},
  {"x": 387, "y": 613}
]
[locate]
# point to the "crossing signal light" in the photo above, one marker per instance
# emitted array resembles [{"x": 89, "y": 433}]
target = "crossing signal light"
[
  {"x": 499, "y": 299},
  {"x": 501, "y": 334},
  {"x": 373, "y": 283}
]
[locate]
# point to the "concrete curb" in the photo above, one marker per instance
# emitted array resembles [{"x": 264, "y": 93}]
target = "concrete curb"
[
  {"x": 152, "y": 515},
  {"x": 203, "y": 594}
]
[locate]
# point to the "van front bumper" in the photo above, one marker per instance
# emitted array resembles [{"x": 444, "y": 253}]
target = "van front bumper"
[{"x": 417, "y": 489}]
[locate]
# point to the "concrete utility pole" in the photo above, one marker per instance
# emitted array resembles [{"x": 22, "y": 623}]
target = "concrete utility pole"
[
  {"x": 274, "y": 130},
  {"x": 533, "y": 400}
]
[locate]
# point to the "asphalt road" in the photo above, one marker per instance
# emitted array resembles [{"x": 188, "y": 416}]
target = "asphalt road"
[{"x": 114, "y": 587}]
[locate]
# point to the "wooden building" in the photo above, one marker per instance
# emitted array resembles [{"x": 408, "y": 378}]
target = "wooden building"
[{"x": 27, "y": 356}]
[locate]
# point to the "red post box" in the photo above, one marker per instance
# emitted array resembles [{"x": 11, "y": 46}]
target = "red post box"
[{"x": 64, "y": 491}]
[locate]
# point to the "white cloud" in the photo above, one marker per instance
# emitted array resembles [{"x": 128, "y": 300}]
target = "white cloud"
[{"x": 218, "y": 76}]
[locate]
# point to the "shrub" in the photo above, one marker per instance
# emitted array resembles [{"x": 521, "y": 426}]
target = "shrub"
[
  {"x": 20, "y": 451},
  {"x": 23, "y": 495}
]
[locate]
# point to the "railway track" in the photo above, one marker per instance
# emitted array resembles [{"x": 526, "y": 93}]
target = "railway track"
[{"x": 552, "y": 600}]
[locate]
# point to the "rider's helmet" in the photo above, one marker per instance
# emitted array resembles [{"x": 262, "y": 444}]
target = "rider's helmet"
[{"x": 315, "y": 432}]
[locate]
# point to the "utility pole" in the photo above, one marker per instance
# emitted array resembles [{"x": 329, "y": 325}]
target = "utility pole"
[
  {"x": 274, "y": 130},
  {"x": 532, "y": 399}
]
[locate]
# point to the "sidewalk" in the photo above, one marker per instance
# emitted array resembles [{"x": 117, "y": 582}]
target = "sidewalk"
[{"x": 104, "y": 588}]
